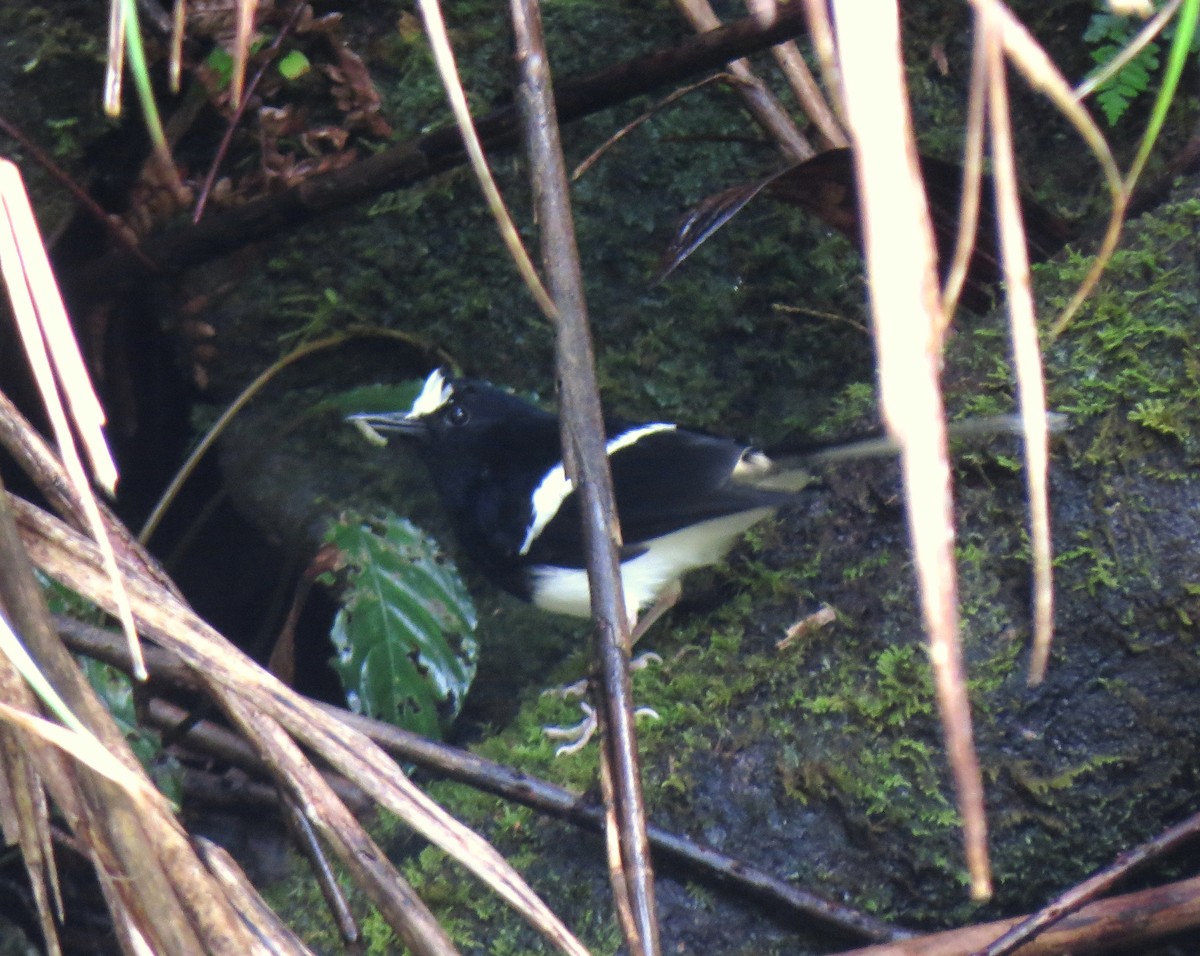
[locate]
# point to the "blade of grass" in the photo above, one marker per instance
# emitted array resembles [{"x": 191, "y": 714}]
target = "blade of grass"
[
  {"x": 56, "y": 363},
  {"x": 243, "y": 34},
  {"x": 114, "y": 72},
  {"x": 80, "y": 744},
  {"x": 138, "y": 67},
  {"x": 968, "y": 219},
  {"x": 443, "y": 55},
  {"x": 902, "y": 272},
  {"x": 1033, "y": 63},
  {"x": 1176, "y": 60},
  {"x": 1031, "y": 383}
]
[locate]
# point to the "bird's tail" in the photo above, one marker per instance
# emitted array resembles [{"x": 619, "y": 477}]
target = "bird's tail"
[{"x": 791, "y": 470}]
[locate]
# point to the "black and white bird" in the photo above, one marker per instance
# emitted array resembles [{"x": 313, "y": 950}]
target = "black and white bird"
[{"x": 683, "y": 498}]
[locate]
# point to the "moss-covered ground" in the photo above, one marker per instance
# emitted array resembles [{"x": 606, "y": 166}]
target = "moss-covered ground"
[{"x": 821, "y": 760}]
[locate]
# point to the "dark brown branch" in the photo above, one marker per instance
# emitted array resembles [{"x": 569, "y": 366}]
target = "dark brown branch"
[
  {"x": 472, "y": 770},
  {"x": 1095, "y": 886},
  {"x": 305, "y": 837},
  {"x": 408, "y": 163},
  {"x": 117, "y": 827},
  {"x": 1126, "y": 922},
  {"x": 586, "y": 459}
]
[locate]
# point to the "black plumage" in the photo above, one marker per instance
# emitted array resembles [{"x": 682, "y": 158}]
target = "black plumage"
[{"x": 683, "y": 497}]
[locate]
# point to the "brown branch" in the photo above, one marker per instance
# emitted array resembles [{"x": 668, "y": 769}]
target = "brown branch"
[
  {"x": 150, "y": 874},
  {"x": 304, "y": 835},
  {"x": 275, "y": 718},
  {"x": 586, "y": 459},
  {"x": 408, "y": 163},
  {"x": 808, "y": 94},
  {"x": 1132, "y": 920},
  {"x": 1094, "y": 886},
  {"x": 240, "y": 104},
  {"x": 467, "y": 768},
  {"x": 756, "y": 96},
  {"x": 42, "y": 466}
]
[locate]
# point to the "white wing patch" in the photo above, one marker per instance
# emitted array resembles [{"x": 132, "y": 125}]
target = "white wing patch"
[
  {"x": 435, "y": 393},
  {"x": 554, "y": 487}
]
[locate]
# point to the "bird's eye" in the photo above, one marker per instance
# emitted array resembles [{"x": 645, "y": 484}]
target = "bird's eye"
[{"x": 457, "y": 415}]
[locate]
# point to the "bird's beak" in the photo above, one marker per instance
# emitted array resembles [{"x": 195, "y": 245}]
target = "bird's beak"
[{"x": 377, "y": 426}]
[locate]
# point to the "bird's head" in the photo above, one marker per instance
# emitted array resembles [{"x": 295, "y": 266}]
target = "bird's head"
[{"x": 455, "y": 416}]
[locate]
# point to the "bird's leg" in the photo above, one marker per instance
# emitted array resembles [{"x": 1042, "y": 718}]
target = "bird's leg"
[
  {"x": 578, "y": 735},
  {"x": 567, "y": 691},
  {"x": 666, "y": 600},
  {"x": 663, "y": 603}
]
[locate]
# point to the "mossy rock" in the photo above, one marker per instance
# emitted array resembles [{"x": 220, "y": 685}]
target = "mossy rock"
[{"x": 823, "y": 761}]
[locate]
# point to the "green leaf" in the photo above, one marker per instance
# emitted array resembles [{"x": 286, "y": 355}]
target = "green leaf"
[
  {"x": 404, "y": 636},
  {"x": 116, "y": 690},
  {"x": 221, "y": 63},
  {"x": 293, "y": 65},
  {"x": 371, "y": 398}
]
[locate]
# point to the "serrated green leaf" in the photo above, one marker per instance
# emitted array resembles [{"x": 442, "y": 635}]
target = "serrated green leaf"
[
  {"x": 405, "y": 650},
  {"x": 1102, "y": 27},
  {"x": 1113, "y": 103}
]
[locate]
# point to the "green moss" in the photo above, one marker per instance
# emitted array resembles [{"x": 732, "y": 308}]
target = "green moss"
[
  {"x": 300, "y": 904},
  {"x": 831, "y": 744},
  {"x": 1043, "y": 788},
  {"x": 1120, "y": 360}
]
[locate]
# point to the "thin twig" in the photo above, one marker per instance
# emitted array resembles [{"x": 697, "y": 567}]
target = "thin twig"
[
  {"x": 593, "y": 157},
  {"x": 239, "y": 110},
  {"x": 117, "y": 230},
  {"x": 820, "y": 32},
  {"x": 586, "y": 459},
  {"x": 218, "y": 427},
  {"x": 443, "y": 55},
  {"x": 306, "y": 839},
  {"x": 757, "y": 98},
  {"x": 413, "y": 161}
]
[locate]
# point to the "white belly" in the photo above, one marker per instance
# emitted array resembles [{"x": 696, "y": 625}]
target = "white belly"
[{"x": 565, "y": 590}]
